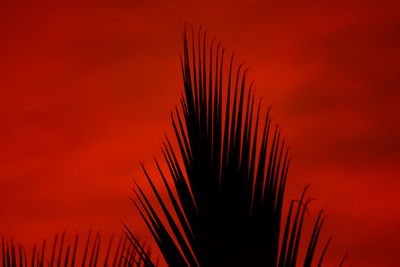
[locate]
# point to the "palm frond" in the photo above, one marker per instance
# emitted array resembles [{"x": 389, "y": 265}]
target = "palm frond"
[
  {"x": 90, "y": 252},
  {"x": 228, "y": 169}
]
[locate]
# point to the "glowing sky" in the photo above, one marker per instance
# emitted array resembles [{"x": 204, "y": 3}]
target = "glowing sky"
[{"x": 86, "y": 91}]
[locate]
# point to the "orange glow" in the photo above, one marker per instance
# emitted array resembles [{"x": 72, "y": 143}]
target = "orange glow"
[{"x": 86, "y": 91}]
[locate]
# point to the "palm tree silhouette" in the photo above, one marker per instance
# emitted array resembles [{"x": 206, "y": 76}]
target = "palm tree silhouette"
[
  {"x": 228, "y": 169},
  {"x": 225, "y": 184},
  {"x": 88, "y": 251}
]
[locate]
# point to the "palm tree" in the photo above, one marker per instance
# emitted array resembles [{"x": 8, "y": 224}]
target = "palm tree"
[
  {"x": 226, "y": 174},
  {"x": 225, "y": 184},
  {"x": 90, "y": 252}
]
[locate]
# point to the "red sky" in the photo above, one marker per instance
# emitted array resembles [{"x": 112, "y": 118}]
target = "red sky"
[{"x": 86, "y": 91}]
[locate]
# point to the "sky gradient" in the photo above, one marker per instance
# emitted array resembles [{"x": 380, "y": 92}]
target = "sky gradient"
[{"x": 86, "y": 91}]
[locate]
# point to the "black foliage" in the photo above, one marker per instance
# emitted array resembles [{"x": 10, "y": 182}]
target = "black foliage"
[
  {"x": 89, "y": 252},
  {"x": 228, "y": 169},
  {"x": 224, "y": 185}
]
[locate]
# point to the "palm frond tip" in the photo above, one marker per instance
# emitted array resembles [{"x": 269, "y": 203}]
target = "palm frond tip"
[
  {"x": 89, "y": 252},
  {"x": 229, "y": 170}
]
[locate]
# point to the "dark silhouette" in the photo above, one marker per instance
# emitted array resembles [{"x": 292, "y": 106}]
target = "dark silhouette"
[
  {"x": 225, "y": 184},
  {"x": 229, "y": 171},
  {"x": 116, "y": 252}
]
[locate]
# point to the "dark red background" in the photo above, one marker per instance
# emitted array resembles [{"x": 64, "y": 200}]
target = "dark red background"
[{"x": 86, "y": 91}]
